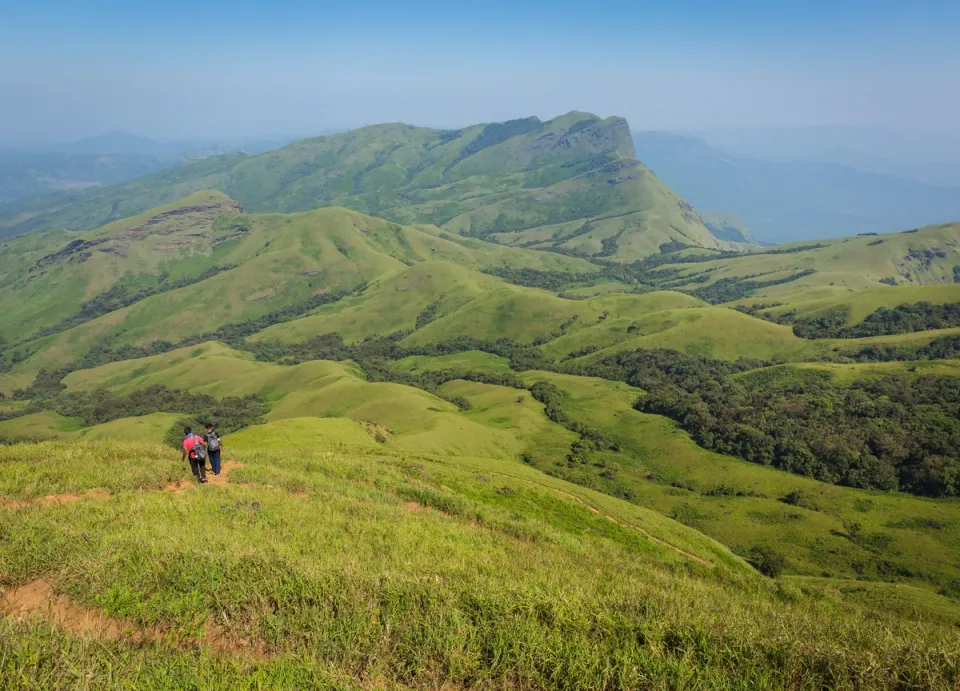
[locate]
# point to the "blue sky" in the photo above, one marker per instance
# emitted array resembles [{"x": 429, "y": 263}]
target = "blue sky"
[{"x": 210, "y": 68}]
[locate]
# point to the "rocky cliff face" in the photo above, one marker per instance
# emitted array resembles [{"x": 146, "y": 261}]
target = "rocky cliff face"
[{"x": 589, "y": 136}]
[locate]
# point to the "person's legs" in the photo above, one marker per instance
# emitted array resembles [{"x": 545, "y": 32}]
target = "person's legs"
[
  {"x": 196, "y": 465},
  {"x": 215, "y": 461}
]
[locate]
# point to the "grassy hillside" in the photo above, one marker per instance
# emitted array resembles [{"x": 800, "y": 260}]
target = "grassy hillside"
[
  {"x": 395, "y": 303},
  {"x": 412, "y": 572},
  {"x": 40, "y": 426},
  {"x": 716, "y": 332},
  {"x": 408, "y": 418},
  {"x": 857, "y": 305},
  {"x": 849, "y": 372},
  {"x": 426, "y": 489},
  {"x": 925, "y": 256},
  {"x": 572, "y": 182},
  {"x": 440, "y": 301},
  {"x": 47, "y": 277},
  {"x": 741, "y": 504},
  {"x": 654, "y": 464},
  {"x": 137, "y": 280}
]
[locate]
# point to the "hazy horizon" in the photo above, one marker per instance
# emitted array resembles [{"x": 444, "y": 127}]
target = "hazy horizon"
[{"x": 216, "y": 70}]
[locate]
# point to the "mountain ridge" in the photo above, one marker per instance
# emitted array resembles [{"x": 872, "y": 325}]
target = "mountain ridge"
[{"x": 570, "y": 184}]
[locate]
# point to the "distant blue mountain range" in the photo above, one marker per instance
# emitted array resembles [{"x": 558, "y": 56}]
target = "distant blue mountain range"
[{"x": 783, "y": 201}]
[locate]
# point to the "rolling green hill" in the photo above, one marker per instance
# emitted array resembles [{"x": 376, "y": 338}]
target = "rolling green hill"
[
  {"x": 572, "y": 183},
  {"x": 136, "y": 280},
  {"x": 841, "y": 267},
  {"x": 411, "y": 572},
  {"x": 716, "y": 332},
  {"x": 47, "y": 277},
  {"x": 464, "y": 463},
  {"x": 412, "y": 419},
  {"x": 439, "y": 301},
  {"x": 858, "y": 305}
]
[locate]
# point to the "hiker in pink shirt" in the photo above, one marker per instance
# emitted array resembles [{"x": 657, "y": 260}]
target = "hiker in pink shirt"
[{"x": 195, "y": 449}]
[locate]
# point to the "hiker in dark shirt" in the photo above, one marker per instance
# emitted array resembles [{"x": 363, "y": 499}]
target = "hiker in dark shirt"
[
  {"x": 194, "y": 449},
  {"x": 214, "y": 446}
]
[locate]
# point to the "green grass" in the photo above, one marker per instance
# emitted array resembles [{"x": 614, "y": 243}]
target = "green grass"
[
  {"x": 40, "y": 426},
  {"x": 513, "y": 584},
  {"x": 416, "y": 420},
  {"x": 31, "y": 471},
  {"x": 144, "y": 429},
  {"x": 845, "y": 267},
  {"x": 135, "y": 249},
  {"x": 910, "y": 602},
  {"x": 739, "y": 503},
  {"x": 379, "y": 536},
  {"x": 393, "y": 303},
  {"x": 518, "y": 413},
  {"x": 469, "y": 360},
  {"x": 52, "y": 426},
  {"x": 522, "y": 314},
  {"x": 714, "y": 332},
  {"x": 659, "y": 466},
  {"x": 860, "y": 304},
  {"x": 541, "y": 178},
  {"x": 467, "y": 304},
  {"x": 310, "y": 434},
  {"x": 846, "y": 373},
  {"x": 279, "y": 260},
  {"x": 917, "y": 338}
]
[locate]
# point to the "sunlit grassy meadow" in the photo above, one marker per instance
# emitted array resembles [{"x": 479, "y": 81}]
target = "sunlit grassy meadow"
[{"x": 366, "y": 571}]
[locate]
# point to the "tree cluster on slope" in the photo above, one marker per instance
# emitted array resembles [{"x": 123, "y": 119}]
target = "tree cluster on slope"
[
  {"x": 909, "y": 318},
  {"x": 888, "y": 433}
]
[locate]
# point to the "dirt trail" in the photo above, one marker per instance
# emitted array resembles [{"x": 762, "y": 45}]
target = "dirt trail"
[
  {"x": 37, "y": 598},
  {"x": 177, "y": 487},
  {"x": 221, "y": 479},
  {"x": 98, "y": 494},
  {"x": 95, "y": 494}
]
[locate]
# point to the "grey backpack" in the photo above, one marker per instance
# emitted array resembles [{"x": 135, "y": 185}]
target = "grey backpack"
[
  {"x": 198, "y": 451},
  {"x": 213, "y": 441}
]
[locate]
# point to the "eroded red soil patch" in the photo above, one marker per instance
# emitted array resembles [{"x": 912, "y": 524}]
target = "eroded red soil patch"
[
  {"x": 55, "y": 499},
  {"x": 225, "y": 469},
  {"x": 221, "y": 479},
  {"x": 94, "y": 494},
  {"x": 37, "y": 598},
  {"x": 177, "y": 487}
]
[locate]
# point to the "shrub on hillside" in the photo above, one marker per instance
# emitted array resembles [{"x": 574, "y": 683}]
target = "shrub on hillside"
[{"x": 767, "y": 560}]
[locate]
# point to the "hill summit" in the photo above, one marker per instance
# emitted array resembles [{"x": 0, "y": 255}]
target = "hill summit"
[{"x": 572, "y": 184}]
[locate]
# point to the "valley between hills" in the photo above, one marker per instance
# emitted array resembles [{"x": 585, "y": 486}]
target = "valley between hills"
[{"x": 504, "y": 412}]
